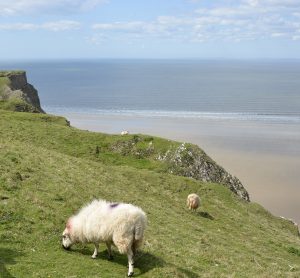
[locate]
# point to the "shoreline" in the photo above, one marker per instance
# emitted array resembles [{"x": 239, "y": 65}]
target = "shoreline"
[{"x": 264, "y": 156}]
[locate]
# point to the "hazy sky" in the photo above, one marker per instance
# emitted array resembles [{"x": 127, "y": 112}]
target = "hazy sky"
[{"x": 149, "y": 29}]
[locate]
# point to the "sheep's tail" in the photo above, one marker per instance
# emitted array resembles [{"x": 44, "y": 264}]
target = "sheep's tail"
[{"x": 138, "y": 232}]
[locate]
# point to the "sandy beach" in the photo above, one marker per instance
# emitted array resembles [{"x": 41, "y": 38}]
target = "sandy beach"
[{"x": 263, "y": 155}]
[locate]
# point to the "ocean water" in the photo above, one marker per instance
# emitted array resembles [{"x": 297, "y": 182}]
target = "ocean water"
[{"x": 247, "y": 90}]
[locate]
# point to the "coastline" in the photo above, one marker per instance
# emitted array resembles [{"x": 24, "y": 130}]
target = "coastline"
[{"x": 263, "y": 155}]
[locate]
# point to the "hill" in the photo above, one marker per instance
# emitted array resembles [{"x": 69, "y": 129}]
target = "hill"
[{"x": 48, "y": 170}]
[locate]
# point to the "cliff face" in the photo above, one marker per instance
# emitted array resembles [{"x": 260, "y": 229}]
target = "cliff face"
[
  {"x": 186, "y": 160},
  {"x": 190, "y": 161},
  {"x": 17, "y": 87}
]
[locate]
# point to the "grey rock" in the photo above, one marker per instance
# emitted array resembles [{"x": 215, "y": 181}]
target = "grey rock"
[{"x": 190, "y": 161}]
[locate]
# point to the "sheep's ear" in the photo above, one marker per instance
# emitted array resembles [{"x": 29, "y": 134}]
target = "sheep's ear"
[{"x": 69, "y": 225}]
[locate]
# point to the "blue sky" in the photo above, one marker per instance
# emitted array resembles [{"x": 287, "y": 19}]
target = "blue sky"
[{"x": 44, "y": 29}]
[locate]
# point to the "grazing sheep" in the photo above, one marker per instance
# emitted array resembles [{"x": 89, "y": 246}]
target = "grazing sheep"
[
  {"x": 125, "y": 132},
  {"x": 193, "y": 201},
  {"x": 113, "y": 223}
]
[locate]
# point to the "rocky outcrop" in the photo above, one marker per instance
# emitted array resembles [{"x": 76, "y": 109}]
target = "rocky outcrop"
[
  {"x": 190, "y": 161},
  {"x": 186, "y": 160},
  {"x": 17, "y": 80},
  {"x": 17, "y": 87}
]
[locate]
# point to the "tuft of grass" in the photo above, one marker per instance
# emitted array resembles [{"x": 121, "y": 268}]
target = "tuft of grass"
[
  {"x": 49, "y": 170},
  {"x": 294, "y": 250}
]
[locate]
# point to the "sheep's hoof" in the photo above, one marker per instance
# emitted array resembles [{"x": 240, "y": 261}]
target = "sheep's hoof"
[
  {"x": 130, "y": 274},
  {"x": 94, "y": 256},
  {"x": 110, "y": 257}
]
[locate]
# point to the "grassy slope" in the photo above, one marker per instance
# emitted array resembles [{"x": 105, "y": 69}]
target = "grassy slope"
[{"x": 49, "y": 170}]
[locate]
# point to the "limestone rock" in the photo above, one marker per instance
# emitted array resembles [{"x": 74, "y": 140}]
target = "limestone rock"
[
  {"x": 18, "y": 87},
  {"x": 190, "y": 161}
]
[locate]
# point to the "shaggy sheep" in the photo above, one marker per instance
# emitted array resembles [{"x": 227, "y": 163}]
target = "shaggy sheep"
[
  {"x": 125, "y": 132},
  {"x": 193, "y": 201},
  {"x": 113, "y": 223}
]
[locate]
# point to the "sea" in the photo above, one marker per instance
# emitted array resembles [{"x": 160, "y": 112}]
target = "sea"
[{"x": 261, "y": 90}]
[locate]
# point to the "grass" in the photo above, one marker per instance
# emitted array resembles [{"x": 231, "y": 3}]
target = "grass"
[
  {"x": 4, "y": 81},
  {"x": 7, "y": 73},
  {"x": 54, "y": 133},
  {"x": 17, "y": 104},
  {"x": 48, "y": 170}
]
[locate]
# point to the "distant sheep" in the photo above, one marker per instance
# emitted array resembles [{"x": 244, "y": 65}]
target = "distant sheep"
[
  {"x": 125, "y": 132},
  {"x": 113, "y": 223},
  {"x": 193, "y": 201}
]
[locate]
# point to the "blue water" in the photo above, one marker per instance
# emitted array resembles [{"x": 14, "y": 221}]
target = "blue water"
[{"x": 258, "y": 90}]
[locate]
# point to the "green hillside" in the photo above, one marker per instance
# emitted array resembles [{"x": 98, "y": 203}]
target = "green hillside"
[{"x": 48, "y": 170}]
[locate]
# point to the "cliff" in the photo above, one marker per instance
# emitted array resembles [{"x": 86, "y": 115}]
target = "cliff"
[
  {"x": 190, "y": 161},
  {"x": 180, "y": 159},
  {"x": 17, "y": 93}
]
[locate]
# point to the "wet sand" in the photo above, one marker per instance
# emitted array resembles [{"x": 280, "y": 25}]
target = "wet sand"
[{"x": 264, "y": 156}]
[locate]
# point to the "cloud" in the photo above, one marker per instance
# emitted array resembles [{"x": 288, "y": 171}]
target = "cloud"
[
  {"x": 243, "y": 21},
  {"x": 62, "y": 25},
  {"x": 278, "y": 35},
  {"x": 273, "y": 3},
  {"x": 163, "y": 26},
  {"x": 16, "y": 7},
  {"x": 134, "y": 26},
  {"x": 18, "y": 26},
  {"x": 296, "y": 38}
]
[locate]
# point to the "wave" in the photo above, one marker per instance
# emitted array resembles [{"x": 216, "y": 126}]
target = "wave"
[{"x": 282, "y": 118}]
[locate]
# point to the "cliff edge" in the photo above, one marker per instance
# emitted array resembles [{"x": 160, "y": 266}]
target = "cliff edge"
[
  {"x": 181, "y": 159},
  {"x": 17, "y": 93}
]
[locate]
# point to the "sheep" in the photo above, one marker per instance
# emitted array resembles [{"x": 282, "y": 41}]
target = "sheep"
[
  {"x": 125, "y": 132},
  {"x": 193, "y": 201},
  {"x": 113, "y": 223}
]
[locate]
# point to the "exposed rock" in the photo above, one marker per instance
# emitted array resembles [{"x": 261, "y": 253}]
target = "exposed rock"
[
  {"x": 129, "y": 147},
  {"x": 190, "y": 161},
  {"x": 17, "y": 80},
  {"x": 184, "y": 160},
  {"x": 18, "y": 87}
]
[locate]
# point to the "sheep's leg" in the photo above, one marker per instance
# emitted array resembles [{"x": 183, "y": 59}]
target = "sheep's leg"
[
  {"x": 134, "y": 248},
  {"x": 94, "y": 256},
  {"x": 130, "y": 262},
  {"x": 110, "y": 255}
]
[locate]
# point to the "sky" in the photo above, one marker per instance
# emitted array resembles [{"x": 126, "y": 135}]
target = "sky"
[{"x": 204, "y": 29}]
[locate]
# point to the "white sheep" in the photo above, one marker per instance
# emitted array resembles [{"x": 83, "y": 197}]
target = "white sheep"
[
  {"x": 113, "y": 223},
  {"x": 125, "y": 132},
  {"x": 193, "y": 201}
]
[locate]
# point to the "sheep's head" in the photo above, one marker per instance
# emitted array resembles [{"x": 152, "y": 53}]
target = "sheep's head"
[{"x": 67, "y": 241}]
